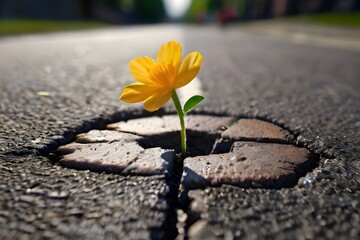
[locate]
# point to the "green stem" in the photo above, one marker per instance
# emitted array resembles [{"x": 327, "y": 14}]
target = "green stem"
[{"x": 182, "y": 122}]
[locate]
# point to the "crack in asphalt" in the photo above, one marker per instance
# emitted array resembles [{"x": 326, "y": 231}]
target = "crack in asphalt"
[{"x": 177, "y": 197}]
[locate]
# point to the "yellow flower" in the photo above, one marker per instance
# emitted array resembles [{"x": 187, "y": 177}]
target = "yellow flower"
[{"x": 157, "y": 80}]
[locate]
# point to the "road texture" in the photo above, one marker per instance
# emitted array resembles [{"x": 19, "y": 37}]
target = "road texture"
[{"x": 54, "y": 86}]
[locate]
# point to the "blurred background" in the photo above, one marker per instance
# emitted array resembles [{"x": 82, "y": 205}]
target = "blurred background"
[{"x": 24, "y": 16}]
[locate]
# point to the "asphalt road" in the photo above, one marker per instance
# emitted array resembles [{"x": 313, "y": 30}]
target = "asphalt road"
[{"x": 54, "y": 86}]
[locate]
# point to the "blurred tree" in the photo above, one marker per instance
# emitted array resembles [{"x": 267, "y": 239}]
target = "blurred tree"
[
  {"x": 268, "y": 9},
  {"x": 279, "y": 7},
  {"x": 327, "y": 5},
  {"x": 111, "y": 3},
  {"x": 85, "y": 8},
  {"x": 241, "y": 8},
  {"x": 292, "y": 7},
  {"x": 356, "y": 6},
  {"x": 150, "y": 11},
  {"x": 197, "y": 11},
  {"x": 215, "y": 5}
]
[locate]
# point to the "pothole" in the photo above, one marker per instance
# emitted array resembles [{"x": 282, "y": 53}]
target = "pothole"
[
  {"x": 222, "y": 150},
  {"x": 247, "y": 153}
]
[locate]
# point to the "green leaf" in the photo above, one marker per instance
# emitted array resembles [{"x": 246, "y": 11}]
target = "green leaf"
[{"x": 192, "y": 102}]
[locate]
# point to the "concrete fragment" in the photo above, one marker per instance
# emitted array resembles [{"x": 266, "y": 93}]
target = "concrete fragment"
[
  {"x": 98, "y": 136},
  {"x": 115, "y": 152},
  {"x": 207, "y": 123},
  {"x": 253, "y": 129},
  {"x": 154, "y": 161},
  {"x": 170, "y": 123},
  {"x": 146, "y": 126},
  {"x": 249, "y": 164}
]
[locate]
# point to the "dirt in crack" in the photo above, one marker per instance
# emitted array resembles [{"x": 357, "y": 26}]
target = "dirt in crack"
[{"x": 199, "y": 143}]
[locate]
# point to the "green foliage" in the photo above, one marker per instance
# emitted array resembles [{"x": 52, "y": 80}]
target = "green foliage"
[
  {"x": 192, "y": 102},
  {"x": 344, "y": 19},
  {"x": 13, "y": 27},
  {"x": 195, "y": 8}
]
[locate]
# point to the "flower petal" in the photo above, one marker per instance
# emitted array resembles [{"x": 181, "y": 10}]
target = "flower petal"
[
  {"x": 170, "y": 53},
  {"x": 189, "y": 69},
  {"x": 157, "y": 100},
  {"x": 137, "y": 92},
  {"x": 140, "y": 67},
  {"x": 164, "y": 74}
]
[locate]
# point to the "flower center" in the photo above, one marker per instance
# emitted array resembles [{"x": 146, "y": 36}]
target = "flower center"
[{"x": 164, "y": 74}]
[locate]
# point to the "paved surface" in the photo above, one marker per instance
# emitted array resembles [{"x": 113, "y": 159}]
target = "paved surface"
[{"x": 55, "y": 86}]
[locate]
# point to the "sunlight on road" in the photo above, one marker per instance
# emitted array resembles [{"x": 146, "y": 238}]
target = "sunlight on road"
[
  {"x": 193, "y": 88},
  {"x": 176, "y": 8}
]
